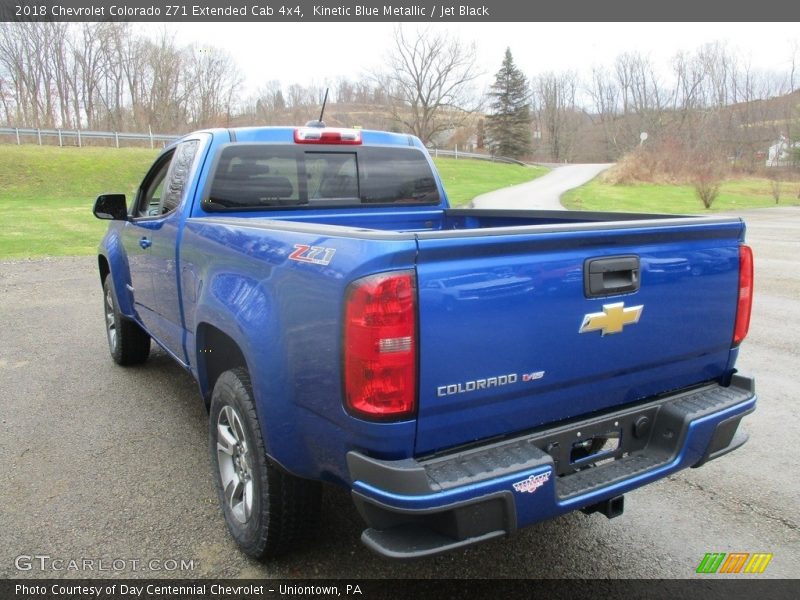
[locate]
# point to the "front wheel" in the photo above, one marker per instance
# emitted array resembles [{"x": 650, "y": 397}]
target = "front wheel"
[
  {"x": 128, "y": 343},
  {"x": 267, "y": 510}
]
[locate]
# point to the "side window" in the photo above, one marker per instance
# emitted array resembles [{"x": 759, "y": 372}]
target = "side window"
[
  {"x": 148, "y": 201},
  {"x": 163, "y": 187}
]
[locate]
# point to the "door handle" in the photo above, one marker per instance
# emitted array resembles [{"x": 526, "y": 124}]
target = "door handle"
[
  {"x": 611, "y": 275},
  {"x": 145, "y": 243}
]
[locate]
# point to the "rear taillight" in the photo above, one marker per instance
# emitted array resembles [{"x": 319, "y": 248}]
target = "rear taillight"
[
  {"x": 327, "y": 135},
  {"x": 745, "y": 304},
  {"x": 380, "y": 348}
]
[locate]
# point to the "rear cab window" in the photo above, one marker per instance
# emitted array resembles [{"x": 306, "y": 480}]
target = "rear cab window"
[{"x": 250, "y": 176}]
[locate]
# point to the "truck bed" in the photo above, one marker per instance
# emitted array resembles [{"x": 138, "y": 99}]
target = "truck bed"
[
  {"x": 504, "y": 293},
  {"x": 461, "y": 222}
]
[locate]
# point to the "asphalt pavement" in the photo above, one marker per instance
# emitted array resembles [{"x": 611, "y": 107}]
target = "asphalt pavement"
[
  {"x": 104, "y": 463},
  {"x": 543, "y": 193}
]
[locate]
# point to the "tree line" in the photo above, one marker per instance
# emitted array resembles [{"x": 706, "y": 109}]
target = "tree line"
[
  {"x": 106, "y": 76},
  {"x": 708, "y": 100}
]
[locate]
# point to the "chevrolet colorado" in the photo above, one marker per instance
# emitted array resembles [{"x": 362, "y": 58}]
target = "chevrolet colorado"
[{"x": 464, "y": 373}]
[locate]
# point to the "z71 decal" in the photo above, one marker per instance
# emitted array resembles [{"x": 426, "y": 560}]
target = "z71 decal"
[{"x": 317, "y": 255}]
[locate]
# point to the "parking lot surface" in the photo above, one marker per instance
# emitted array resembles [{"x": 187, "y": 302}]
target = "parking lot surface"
[{"x": 106, "y": 463}]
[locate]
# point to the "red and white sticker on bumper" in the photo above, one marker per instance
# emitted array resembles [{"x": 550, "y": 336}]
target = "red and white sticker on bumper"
[{"x": 532, "y": 483}]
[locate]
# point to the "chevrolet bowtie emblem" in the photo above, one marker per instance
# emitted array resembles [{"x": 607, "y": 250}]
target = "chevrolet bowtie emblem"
[{"x": 613, "y": 318}]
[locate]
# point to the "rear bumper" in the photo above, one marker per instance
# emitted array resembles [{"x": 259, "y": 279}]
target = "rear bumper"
[{"x": 417, "y": 508}]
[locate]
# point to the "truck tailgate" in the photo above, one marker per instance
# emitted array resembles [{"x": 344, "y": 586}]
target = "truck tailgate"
[{"x": 509, "y": 340}]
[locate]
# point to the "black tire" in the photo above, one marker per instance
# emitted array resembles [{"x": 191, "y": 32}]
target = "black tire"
[
  {"x": 128, "y": 343},
  {"x": 284, "y": 508}
]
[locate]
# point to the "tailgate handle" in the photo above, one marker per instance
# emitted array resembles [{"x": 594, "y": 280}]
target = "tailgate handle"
[{"x": 610, "y": 275}]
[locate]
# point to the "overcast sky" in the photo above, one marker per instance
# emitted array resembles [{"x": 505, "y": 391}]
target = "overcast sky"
[{"x": 311, "y": 52}]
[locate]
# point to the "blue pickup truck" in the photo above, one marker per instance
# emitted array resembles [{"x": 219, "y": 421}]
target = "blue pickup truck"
[{"x": 464, "y": 373}]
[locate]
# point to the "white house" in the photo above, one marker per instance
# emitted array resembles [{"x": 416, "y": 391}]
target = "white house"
[{"x": 781, "y": 154}]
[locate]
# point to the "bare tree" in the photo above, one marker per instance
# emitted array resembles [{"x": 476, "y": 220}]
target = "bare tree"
[
  {"x": 629, "y": 98},
  {"x": 60, "y": 67},
  {"x": 557, "y": 113},
  {"x": 268, "y": 104},
  {"x": 720, "y": 74},
  {"x": 706, "y": 184},
  {"x": 128, "y": 68},
  {"x": 690, "y": 77},
  {"x": 706, "y": 162},
  {"x": 775, "y": 187},
  {"x": 364, "y": 93},
  {"x": 298, "y": 96},
  {"x": 6, "y": 99},
  {"x": 604, "y": 94},
  {"x": 18, "y": 62},
  {"x": 643, "y": 98},
  {"x": 213, "y": 82},
  {"x": 102, "y": 75},
  {"x": 11, "y": 62},
  {"x": 41, "y": 36},
  {"x": 345, "y": 91},
  {"x": 168, "y": 86},
  {"x": 91, "y": 56},
  {"x": 428, "y": 79}
]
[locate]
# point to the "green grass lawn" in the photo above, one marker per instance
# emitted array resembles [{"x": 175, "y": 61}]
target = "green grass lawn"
[
  {"x": 466, "y": 178},
  {"x": 677, "y": 199},
  {"x": 47, "y": 193}
]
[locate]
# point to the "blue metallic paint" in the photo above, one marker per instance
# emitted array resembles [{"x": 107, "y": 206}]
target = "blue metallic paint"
[
  {"x": 114, "y": 252},
  {"x": 683, "y": 336},
  {"x": 286, "y": 318}
]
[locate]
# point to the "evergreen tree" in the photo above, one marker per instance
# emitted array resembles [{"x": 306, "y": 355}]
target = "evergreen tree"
[
  {"x": 280, "y": 103},
  {"x": 508, "y": 125}
]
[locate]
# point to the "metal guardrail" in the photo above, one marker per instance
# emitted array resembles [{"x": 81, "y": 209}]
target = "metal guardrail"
[
  {"x": 459, "y": 154},
  {"x": 78, "y": 135}
]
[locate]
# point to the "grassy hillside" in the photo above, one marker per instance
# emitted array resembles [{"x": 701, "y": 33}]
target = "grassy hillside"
[
  {"x": 734, "y": 195},
  {"x": 46, "y": 192},
  {"x": 465, "y": 179}
]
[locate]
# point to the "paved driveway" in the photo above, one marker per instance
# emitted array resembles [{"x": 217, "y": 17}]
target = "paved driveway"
[{"x": 542, "y": 193}]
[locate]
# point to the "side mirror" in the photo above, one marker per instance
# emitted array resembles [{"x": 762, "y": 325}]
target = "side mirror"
[{"x": 111, "y": 207}]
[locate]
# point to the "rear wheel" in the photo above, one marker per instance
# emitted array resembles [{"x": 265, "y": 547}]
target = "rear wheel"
[
  {"x": 128, "y": 343},
  {"x": 267, "y": 510}
]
